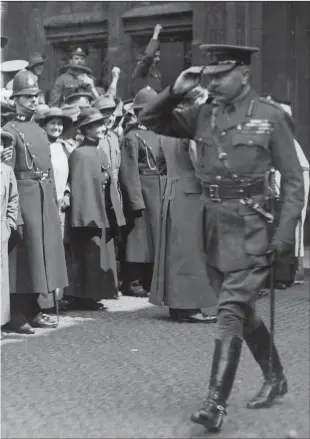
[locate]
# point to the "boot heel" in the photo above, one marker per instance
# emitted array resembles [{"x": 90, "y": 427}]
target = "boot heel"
[{"x": 283, "y": 388}]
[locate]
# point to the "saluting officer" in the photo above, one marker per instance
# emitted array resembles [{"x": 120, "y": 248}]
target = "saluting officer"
[
  {"x": 37, "y": 262},
  {"x": 240, "y": 137}
]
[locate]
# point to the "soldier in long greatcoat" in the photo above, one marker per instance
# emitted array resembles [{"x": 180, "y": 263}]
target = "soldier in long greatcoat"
[
  {"x": 37, "y": 262},
  {"x": 180, "y": 279},
  {"x": 96, "y": 215},
  {"x": 142, "y": 179},
  {"x": 240, "y": 137}
]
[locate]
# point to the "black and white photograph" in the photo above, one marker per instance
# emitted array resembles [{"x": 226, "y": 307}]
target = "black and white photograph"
[{"x": 155, "y": 219}]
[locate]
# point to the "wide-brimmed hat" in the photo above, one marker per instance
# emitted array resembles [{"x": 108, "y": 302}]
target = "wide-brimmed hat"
[
  {"x": 35, "y": 59},
  {"x": 143, "y": 96},
  {"x": 40, "y": 112},
  {"x": 224, "y": 57},
  {"x": 53, "y": 112},
  {"x": 25, "y": 83},
  {"x": 104, "y": 103},
  {"x": 6, "y": 137},
  {"x": 14, "y": 65},
  {"x": 4, "y": 41},
  {"x": 88, "y": 116},
  {"x": 77, "y": 95},
  {"x": 79, "y": 69},
  {"x": 72, "y": 111}
]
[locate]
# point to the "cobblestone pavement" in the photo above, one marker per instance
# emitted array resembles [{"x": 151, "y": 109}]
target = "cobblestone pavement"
[{"x": 130, "y": 372}]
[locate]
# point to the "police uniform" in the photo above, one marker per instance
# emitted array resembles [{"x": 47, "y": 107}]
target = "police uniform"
[
  {"x": 237, "y": 144},
  {"x": 37, "y": 262}
]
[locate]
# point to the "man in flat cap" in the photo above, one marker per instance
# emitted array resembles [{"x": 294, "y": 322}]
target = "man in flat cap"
[
  {"x": 240, "y": 138},
  {"x": 76, "y": 77}
]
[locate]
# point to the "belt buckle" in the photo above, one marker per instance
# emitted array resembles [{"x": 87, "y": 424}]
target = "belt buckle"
[
  {"x": 44, "y": 175},
  {"x": 214, "y": 192}
]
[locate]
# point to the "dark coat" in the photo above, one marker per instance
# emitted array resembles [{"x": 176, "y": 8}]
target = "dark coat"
[
  {"x": 96, "y": 214},
  {"x": 180, "y": 278},
  {"x": 91, "y": 204},
  {"x": 142, "y": 179},
  {"x": 37, "y": 263},
  {"x": 255, "y": 137}
]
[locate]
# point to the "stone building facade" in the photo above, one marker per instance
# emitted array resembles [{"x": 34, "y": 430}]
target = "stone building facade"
[{"x": 117, "y": 32}]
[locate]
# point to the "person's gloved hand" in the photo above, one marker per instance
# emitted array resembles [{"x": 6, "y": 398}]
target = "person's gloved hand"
[
  {"x": 137, "y": 213},
  {"x": 279, "y": 249}
]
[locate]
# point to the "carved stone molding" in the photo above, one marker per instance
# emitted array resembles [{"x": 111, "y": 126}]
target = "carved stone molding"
[
  {"x": 88, "y": 26},
  {"x": 175, "y": 18}
]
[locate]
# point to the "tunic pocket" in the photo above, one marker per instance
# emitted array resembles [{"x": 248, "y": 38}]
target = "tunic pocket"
[
  {"x": 251, "y": 139},
  {"x": 255, "y": 231}
]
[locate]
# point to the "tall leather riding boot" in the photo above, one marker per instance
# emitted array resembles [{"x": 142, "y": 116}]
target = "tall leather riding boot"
[
  {"x": 258, "y": 342},
  {"x": 224, "y": 366}
]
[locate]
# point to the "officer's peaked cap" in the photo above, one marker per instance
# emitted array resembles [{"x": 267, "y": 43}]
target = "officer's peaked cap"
[
  {"x": 143, "y": 96},
  {"x": 79, "y": 51},
  {"x": 224, "y": 57},
  {"x": 25, "y": 83}
]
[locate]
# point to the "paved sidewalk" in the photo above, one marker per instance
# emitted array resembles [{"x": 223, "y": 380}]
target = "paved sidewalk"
[{"x": 130, "y": 372}]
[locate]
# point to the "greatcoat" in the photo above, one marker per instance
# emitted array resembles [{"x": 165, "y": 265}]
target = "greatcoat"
[
  {"x": 9, "y": 212},
  {"x": 142, "y": 179},
  {"x": 37, "y": 262},
  {"x": 180, "y": 278},
  {"x": 96, "y": 214}
]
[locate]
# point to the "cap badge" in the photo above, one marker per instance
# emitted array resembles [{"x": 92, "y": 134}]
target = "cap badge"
[{"x": 30, "y": 82}]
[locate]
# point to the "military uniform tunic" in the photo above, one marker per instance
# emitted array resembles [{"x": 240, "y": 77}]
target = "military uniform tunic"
[
  {"x": 252, "y": 137},
  {"x": 65, "y": 84}
]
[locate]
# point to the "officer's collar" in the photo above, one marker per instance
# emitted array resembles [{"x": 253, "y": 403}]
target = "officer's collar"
[
  {"x": 141, "y": 127},
  {"x": 23, "y": 118}
]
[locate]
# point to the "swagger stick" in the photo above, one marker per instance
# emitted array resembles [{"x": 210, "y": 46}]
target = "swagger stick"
[
  {"x": 273, "y": 195},
  {"x": 56, "y": 304}
]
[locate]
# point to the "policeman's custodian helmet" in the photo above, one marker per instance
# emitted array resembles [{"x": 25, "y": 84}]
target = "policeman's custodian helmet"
[
  {"x": 143, "y": 96},
  {"x": 224, "y": 57},
  {"x": 24, "y": 83}
]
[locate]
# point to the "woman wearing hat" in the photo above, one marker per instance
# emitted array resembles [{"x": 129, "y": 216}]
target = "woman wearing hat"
[
  {"x": 54, "y": 122},
  {"x": 9, "y": 212},
  {"x": 96, "y": 214}
]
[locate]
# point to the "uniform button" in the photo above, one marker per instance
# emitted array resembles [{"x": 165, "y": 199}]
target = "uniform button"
[
  {"x": 199, "y": 139},
  {"x": 223, "y": 133},
  {"x": 218, "y": 177},
  {"x": 239, "y": 127},
  {"x": 251, "y": 142}
]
